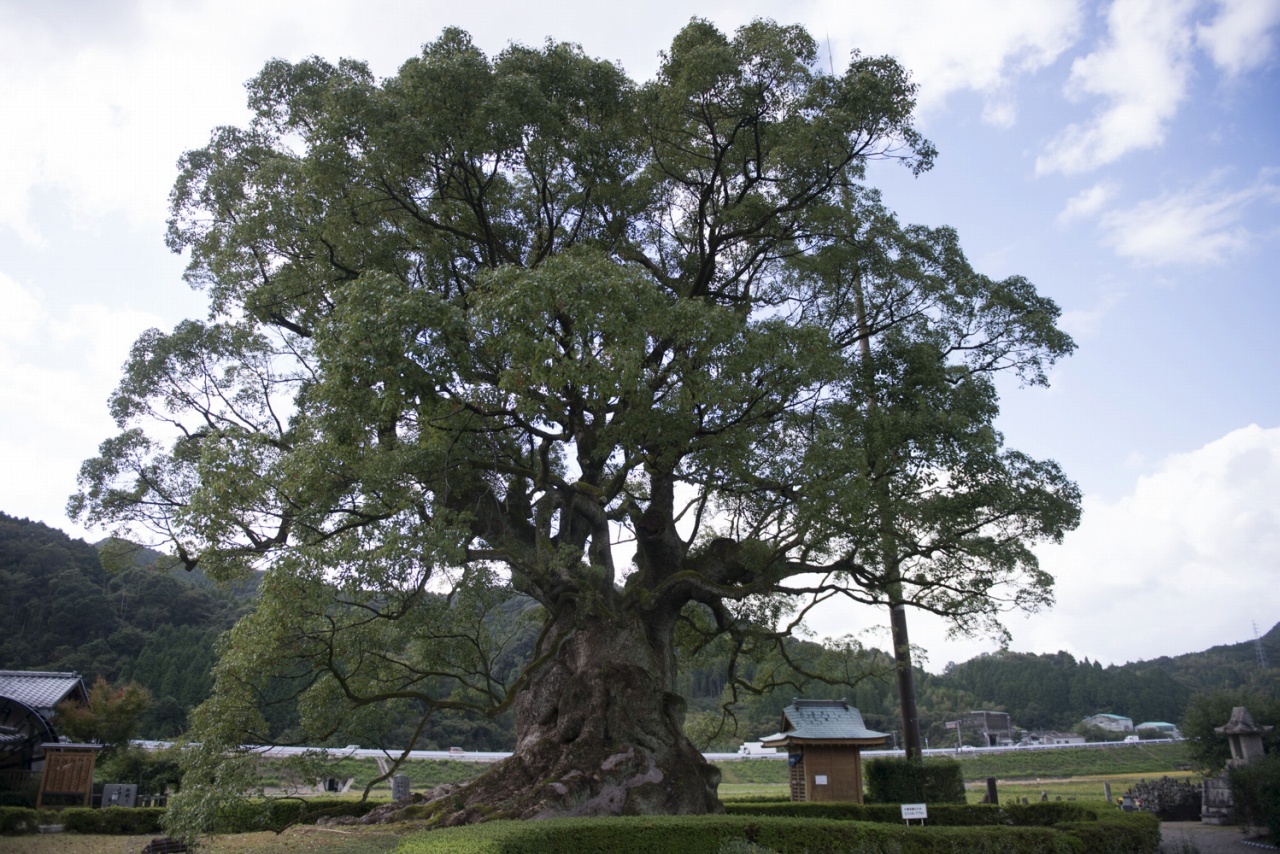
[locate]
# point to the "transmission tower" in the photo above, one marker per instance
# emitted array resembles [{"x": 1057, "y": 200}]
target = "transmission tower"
[{"x": 1257, "y": 645}]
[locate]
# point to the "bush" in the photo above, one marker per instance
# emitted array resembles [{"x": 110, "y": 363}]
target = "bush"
[
  {"x": 15, "y": 820},
  {"x": 900, "y": 781},
  {"x": 154, "y": 773},
  {"x": 112, "y": 820},
  {"x": 1116, "y": 832},
  {"x": 1045, "y": 814},
  {"x": 1096, "y": 828},
  {"x": 1256, "y": 789},
  {"x": 278, "y": 813}
]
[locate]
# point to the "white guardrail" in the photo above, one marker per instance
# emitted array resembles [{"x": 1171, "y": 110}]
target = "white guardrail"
[{"x": 497, "y": 756}]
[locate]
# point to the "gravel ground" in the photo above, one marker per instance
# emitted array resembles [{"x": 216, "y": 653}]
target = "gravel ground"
[{"x": 1190, "y": 837}]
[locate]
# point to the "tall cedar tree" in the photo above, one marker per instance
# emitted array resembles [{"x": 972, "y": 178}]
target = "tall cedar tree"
[{"x": 652, "y": 354}]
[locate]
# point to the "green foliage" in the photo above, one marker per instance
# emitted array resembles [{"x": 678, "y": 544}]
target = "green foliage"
[
  {"x": 16, "y": 820},
  {"x": 1046, "y": 814},
  {"x": 899, "y": 781},
  {"x": 153, "y": 772},
  {"x": 142, "y": 621},
  {"x": 514, "y": 306},
  {"x": 1256, "y": 789},
  {"x": 112, "y": 820},
  {"x": 1211, "y": 750},
  {"x": 1056, "y": 691},
  {"x": 1095, "y": 828},
  {"x": 111, "y": 717}
]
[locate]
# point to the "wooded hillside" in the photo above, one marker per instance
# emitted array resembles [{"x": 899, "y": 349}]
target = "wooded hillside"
[{"x": 140, "y": 619}]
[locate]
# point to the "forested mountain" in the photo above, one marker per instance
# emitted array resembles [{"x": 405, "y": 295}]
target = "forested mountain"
[
  {"x": 136, "y": 620},
  {"x": 1056, "y": 691},
  {"x": 125, "y": 613}
]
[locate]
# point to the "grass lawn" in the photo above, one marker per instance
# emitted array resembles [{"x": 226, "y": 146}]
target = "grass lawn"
[{"x": 1087, "y": 787}]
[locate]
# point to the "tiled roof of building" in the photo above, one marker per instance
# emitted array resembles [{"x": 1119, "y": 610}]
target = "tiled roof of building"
[
  {"x": 39, "y": 689},
  {"x": 823, "y": 720}
]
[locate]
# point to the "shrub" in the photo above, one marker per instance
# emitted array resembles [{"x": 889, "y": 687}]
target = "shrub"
[
  {"x": 1256, "y": 790},
  {"x": 278, "y": 813},
  {"x": 1115, "y": 832},
  {"x": 153, "y": 772},
  {"x": 1046, "y": 814},
  {"x": 1099, "y": 828},
  {"x": 15, "y": 820},
  {"x": 900, "y": 781},
  {"x": 112, "y": 820}
]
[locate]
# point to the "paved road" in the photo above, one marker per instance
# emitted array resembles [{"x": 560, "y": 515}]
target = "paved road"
[{"x": 1185, "y": 837}]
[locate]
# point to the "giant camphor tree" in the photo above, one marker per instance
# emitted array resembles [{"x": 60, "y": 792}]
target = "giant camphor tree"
[{"x": 653, "y": 355}]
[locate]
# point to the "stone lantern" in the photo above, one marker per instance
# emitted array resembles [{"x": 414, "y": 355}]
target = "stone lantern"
[{"x": 1245, "y": 737}]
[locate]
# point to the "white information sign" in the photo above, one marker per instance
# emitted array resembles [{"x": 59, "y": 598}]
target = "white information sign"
[
  {"x": 910, "y": 811},
  {"x": 819, "y": 779}
]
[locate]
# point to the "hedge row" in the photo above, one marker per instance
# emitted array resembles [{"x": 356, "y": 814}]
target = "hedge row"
[
  {"x": 278, "y": 813},
  {"x": 252, "y": 816},
  {"x": 1041, "y": 814},
  {"x": 1118, "y": 833},
  {"x": 113, "y": 820},
  {"x": 899, "y": 781}
]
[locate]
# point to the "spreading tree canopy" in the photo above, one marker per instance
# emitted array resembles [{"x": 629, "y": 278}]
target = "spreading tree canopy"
[{"x": 653, "y": 355}]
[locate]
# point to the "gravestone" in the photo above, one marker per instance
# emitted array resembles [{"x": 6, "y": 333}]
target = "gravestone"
[
  {"x": 120, "y": 795},
  {"x": 400, "y": 787}
]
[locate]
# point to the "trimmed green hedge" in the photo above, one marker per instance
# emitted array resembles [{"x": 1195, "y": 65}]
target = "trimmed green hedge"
[
  {"x": 1041, "y": 814},
  {"x": 899, "y": 781},
  {"x": 1105, "y": 831},
  {"x": 251, "y": 817},
  {"x": 112, "y": 820},
  {"x": 16, "y": 820},
  {"x": 706, "y": 835},
  {"x": 278, "y": 813},
  {"x": 118, "y": 820}
]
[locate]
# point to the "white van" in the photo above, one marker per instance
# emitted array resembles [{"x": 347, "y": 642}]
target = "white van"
[{"x": 756, "y": 748}]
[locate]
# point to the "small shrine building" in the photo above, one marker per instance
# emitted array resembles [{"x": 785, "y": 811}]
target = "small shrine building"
[{"x": 824, "y": 741}]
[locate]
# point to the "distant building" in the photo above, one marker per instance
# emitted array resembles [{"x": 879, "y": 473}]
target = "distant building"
[
  {"x": 1048, "y": 737},
  {"x": 996, "y": 728},
  {"x": 28, "y": 699},
  {"x": 1166, "y": 729},
  {"x": 1111, "y": 723}
]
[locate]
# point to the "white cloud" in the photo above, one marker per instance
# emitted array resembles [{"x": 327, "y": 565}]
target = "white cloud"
[
  {"x": 100, "y": 106},
  {"x": 1239, "y": 38},
  {"x": 1087, "y": 202},
  {"x": 57, "y": 367},
  {"x": 1141, "y": 71},
  {"x": 1087, "y": 323},
  {"x": 1199, "y": 226},
  {"x": 1185, "y": 561},
  {"x": 979, "y": 46}
]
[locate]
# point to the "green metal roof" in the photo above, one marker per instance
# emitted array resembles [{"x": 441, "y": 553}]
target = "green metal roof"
[{"x": 823, "y": 720}]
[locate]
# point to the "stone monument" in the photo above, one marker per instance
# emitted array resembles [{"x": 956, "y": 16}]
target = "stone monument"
[
  {"x": 400, "y": 787},
  {"x": 1245, "y": 737}
]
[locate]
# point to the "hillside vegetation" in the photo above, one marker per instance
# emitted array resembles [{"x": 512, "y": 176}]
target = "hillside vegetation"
[{"x": 126, "y": 613}]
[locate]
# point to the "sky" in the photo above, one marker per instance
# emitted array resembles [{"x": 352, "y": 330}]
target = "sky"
[{"x": 1124, "y": 156}]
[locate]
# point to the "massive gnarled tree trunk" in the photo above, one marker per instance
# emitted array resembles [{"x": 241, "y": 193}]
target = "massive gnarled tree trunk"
[{"x": 600, "y": 727}]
